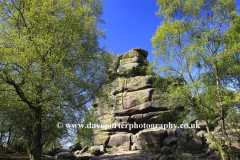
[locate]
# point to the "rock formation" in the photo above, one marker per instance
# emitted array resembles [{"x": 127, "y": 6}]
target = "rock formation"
[{"x": 130, "y": 98}]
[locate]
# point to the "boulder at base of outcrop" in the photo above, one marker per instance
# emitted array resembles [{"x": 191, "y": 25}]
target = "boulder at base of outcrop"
[
  {"x": 123, "y": 141},
  {"x": 149, "y": 138},
  {"x": 65, "y": 156},
  {"x": 85, "y": 157},
  {"x": 184, "y": 154},
  {"x": 102, "y": 148},
  {"x": 75, "y": 147},
  {"x": 60, "y": 151},
  {"x": 95, "y": 150},
  {"x": 189, "y": 140},
  {"x": 53, "y": 152},
  {"x": 170, "y": 141},
  {"x": 101, "y": 139},
  {"x": 79, "y": 152},
  {"x": 166, "y": 150}
]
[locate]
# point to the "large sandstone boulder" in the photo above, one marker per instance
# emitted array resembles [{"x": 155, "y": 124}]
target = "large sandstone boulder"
[
  {"x": 61, "y": 150},
  {"x": 166, "y": 150},
  {"x": 80, "y": 152},
  {"x": 53, "y": 152},
  {"x": 184, "y": 154},
  {"x": 148, "y": 138},
  {"x": 100, "y": 148},
  {"x": 170, "y": 141},
  {"x": 75, "y": 147},
  {"x": 101, "y": 139},
  {"x": 172, "y": 132},
  {"x": 65, "y": 156},
  {"x": 189, "y": 140},
  {"x": 123, "y": 140}
]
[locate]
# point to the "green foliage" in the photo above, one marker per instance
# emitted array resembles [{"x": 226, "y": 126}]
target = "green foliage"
[
  {"x": 175, "y": 94},
  {"x": 19, "y": 146},
  {"x": 19, "y": 112},
  {"x": 51, "y": 145},
  {"x": 229, "y": 61},
  {"x": 51, "y": 62},
  {"x": 236, "y": 153},
  {"x": 196, "y": 41},
  {"x": 12, "y": 114},
  {"x": 85, "y": 135}
]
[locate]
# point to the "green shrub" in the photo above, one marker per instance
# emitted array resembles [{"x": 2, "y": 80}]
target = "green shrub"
[
  {"x": 19, "y": 146},
  {"x": 45, "y": 151}
]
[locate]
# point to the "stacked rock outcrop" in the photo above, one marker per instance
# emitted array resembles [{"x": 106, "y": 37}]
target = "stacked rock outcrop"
[{"x": 130, "y": 98}]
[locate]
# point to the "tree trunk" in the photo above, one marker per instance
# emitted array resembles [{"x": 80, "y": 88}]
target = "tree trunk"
[
  {"x": 9, "y": 137},
  {"x": 1, "y": 144},
  {"x": 36, "y": 151}
]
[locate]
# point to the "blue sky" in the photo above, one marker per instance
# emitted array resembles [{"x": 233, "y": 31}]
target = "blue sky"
[{"x": 131, "y": 24}]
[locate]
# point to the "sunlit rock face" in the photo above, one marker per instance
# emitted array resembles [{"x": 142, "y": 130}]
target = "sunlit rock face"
[{"x": 130, "y": 98}]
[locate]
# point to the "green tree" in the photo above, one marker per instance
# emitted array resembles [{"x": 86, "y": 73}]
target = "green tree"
[
  {"x": 230, "y": 60},
  {"x": 189, "y": 44},
  {"x": 17, "y": 121},
  {"x": 85, "y": 136},
  {"x": 50, "y": 56}
]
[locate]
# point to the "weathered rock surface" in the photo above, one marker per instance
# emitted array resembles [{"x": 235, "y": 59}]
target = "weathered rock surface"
[
  {"x": 123, "y": 140},
  {"x": 149, "y": 138},
  {"x": 65, "y": 156},
  {"x": 182, "y": 153},
  {"x": 130, "y": 98},
  {"x": 188, "y": 140},
  {"x": 79, "y": 152},
  {"x": 101, "y": 139},
  {"x": 170, "y": 141},
  {"x": 75, "y": 147},
  {"x": 53, "y": 152},
  {"x": 166, "y": 150},
  {"x": 101, "y": 148},
  {"x": 61, "y": 150}
]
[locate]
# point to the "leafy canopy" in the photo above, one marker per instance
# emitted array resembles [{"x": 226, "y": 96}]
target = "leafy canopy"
[
  {"x": 48, "y": 45},
  {"x": 51, "y": 59}
]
